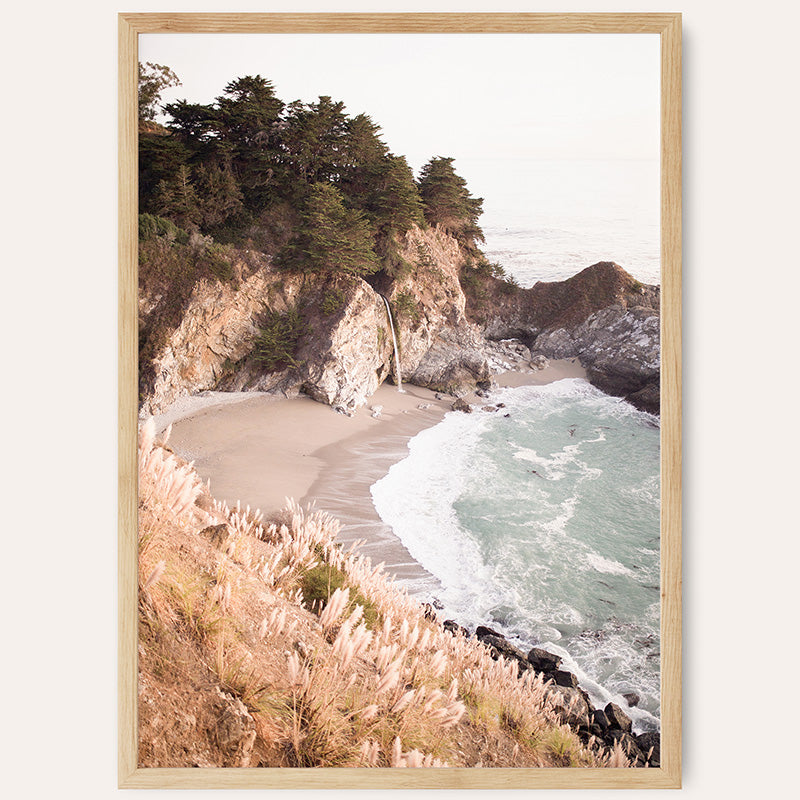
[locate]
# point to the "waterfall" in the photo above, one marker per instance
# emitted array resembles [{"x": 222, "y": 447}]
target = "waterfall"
[{"x": 396, "y": 351}]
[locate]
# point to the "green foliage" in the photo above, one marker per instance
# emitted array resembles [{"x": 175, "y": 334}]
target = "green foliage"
[
  {"x": 218, "y": 196},
  {"x": 321, "y": 581},
  {"x": 216, "y": 259},
  {"x": 331, "y": 238},
  {"x": 276, "y": 344},
  {"x": 176, "y": 199},
  {"x": 313, "y": 138},
  {"x": 332, "y": 301},
  {"x": 226, "y": 167},
  {"x": 151, "y": 226},
  {"x": 448, "y": 203},
  {"x": 405, "y": 305},
  {"x": 153, "y": 79},
  {"x": 160, "y": 158}
]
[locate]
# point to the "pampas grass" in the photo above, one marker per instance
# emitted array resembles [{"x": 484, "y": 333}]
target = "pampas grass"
[{"x": 397, "y": 692}]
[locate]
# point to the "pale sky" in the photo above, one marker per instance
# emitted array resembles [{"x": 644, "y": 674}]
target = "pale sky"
[{"x": 469, "y": 96}]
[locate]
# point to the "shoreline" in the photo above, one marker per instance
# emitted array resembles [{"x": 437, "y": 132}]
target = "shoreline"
[{"x": 259, "y": 449}]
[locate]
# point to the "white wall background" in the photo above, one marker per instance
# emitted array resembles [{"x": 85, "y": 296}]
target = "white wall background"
[{"x": 58, "y": 320}]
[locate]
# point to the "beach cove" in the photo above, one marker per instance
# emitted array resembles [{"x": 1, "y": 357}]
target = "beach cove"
[{"x": 258, "y": 450}]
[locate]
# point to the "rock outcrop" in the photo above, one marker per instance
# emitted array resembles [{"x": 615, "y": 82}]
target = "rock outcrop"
[
  {"x": 218, "y": 327},
  {"x": 570, "y": 703},
  {"x": 447, "y": 341},
  {"x": 602, "y": 316},
  {"x": 439, "y": 348}
]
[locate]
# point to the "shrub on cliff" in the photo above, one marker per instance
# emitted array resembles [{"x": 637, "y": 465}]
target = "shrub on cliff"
[{"x": 276, "y": 343}]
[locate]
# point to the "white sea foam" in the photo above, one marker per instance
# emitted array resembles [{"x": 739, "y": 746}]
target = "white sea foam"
[
  {"x": 567, "y": 554},
  {"x": 606, "y": 565}
]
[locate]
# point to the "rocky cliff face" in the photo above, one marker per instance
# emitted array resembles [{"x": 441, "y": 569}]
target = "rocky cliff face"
[
  {"x": 218, "y": 327},
  {"x": 344, "y": 351},
  {"x": 440, "y": 348},
  {"x": 343, "y": 347},
  {"x": 602, "y": 316}
]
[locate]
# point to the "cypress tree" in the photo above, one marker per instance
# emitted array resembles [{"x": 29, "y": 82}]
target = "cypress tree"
[
  {"x": 331, "y": 238},
  {"x": 447, "y": 201}
]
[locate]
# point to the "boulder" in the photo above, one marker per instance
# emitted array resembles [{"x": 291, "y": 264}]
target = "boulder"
[
  {"x": 600, "y": 719},
  {"x": 453, "y": 627},
  {"x": 617, "y": 718},
  {"x": 539, "y": 362},
  {"x": 503, "y": 647},
  {"x": 484, "y": 630},
  {"x": 462, "y": 405},
  {"x": 234, "y": 732},
  {"x": 454, "y": 362},
  {"x": 542, "y": 661},
  {"x": 650, "y": 745},
  {"x": 629, "y": 746},
  {"x": 564, "y": 678},
  {"x": 631, "y": 698}
]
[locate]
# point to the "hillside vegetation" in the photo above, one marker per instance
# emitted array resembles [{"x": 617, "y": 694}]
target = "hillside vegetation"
[{"x": 264, "y": 644}]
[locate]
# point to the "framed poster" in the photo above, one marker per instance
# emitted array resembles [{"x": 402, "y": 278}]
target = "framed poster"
[{"x": 400, "y": 425}]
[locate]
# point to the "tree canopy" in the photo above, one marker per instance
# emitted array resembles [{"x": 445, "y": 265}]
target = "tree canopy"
[
  {"x": 306, "y": 182},
  {"x": 331, "y": 238},
  {"x": 447, "y": 201},
  {"x": 153, "y": 79}
]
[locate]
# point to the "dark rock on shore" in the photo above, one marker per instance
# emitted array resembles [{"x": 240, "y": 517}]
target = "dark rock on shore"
[
  {"x": 602, "y": 316},
  {"x": 629, "y": 746},
  {"x": 598, "y": 728},
  {"x": 542, "y": 661},
  {"x": 455, "y": 628},
  {"x": 617, "y": 718},
  {"x": 650, "y": 741},
  {"x": 600, "y": 719},
  {"x": 632, "y": 699},
  {"x": 564, "y": 678},
  {"x": 569, "y": 704},
  {"x": 462, "y": 405},
  {"x": 500, "y": 646}
]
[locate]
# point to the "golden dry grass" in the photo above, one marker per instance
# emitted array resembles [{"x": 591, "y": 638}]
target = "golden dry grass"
[{"x": 236, "y": 670}]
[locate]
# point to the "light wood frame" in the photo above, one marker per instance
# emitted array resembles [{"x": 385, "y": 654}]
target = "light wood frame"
[{"x": 668, "y": 26}]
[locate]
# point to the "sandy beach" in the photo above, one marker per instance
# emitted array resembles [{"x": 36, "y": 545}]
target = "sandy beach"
[{"x": 260, "y": 450}]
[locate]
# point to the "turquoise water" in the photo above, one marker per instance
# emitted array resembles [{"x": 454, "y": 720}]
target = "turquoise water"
[{"x": 545, "y": 525}]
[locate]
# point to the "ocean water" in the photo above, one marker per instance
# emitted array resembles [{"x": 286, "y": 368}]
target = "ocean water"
[
  {"x": 544, "y": 524},
  {"x": 548, "y": 220}
]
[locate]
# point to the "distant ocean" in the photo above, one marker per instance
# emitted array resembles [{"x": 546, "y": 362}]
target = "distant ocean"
[
  {"x": 544, "y": 524},
  {"x": 548, "y": 220}
]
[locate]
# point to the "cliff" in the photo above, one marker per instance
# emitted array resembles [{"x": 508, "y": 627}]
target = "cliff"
[
  {"x": 329, "y": 335},
  {"x": 602, "y": 316}
]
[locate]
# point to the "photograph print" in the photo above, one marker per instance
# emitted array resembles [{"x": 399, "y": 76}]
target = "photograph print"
[{"x": 399, "y": 401}]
